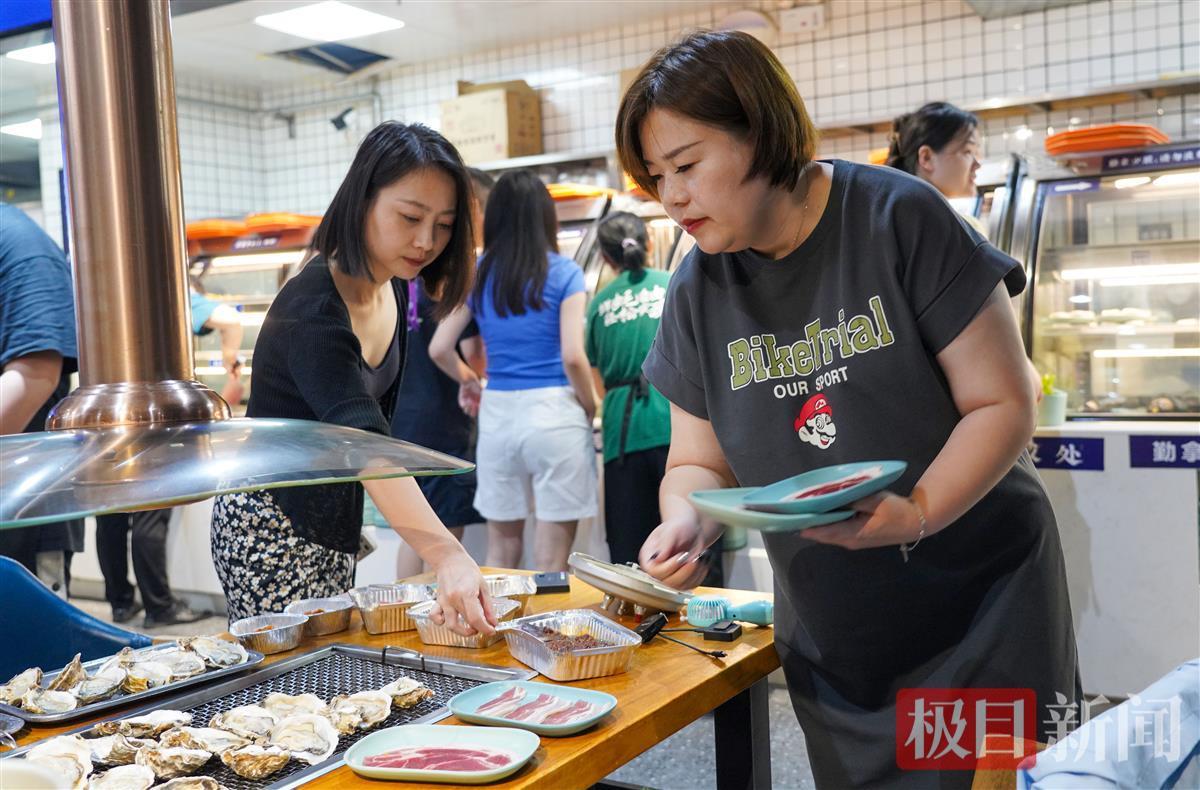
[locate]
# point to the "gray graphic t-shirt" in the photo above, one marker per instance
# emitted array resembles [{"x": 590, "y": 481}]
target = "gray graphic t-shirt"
[{"x": 828, "y": 356}]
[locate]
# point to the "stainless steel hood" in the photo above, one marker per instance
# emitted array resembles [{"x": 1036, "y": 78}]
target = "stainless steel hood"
[{"x": 140, "y": 432}]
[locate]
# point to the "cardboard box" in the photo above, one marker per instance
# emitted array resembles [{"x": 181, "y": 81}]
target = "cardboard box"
[{"x": 493, "y": 121}]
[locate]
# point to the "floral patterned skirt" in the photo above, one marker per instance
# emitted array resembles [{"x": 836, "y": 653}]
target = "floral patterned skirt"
[{"x": 263, "y": 565}]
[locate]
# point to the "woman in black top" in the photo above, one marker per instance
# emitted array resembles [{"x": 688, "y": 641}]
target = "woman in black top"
[
  {"x": 832, "y": 313},
  {"x": 331, "y": 349}
]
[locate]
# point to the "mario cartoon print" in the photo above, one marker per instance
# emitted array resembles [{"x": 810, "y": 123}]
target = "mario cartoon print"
[{"x": 815, "y": 425}]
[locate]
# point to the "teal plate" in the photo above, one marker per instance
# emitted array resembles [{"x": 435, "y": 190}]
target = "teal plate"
[
  {"x": 776, "y": 498},
  {"x": 520, "y": 743},
  {"x": 725, "y": 505},
  {"x": 464, "y": 705}
]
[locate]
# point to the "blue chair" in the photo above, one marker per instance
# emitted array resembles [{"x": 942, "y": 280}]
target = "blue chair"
[{"x": 39, "y": 629}]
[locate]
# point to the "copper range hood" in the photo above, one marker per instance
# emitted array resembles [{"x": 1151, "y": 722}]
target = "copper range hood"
[{"x": 140, "y": 432}]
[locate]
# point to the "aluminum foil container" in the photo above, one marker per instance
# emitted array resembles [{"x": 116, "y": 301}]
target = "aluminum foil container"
[
  {"x": 515, "y": 586},
  {"x": 284, "y": 634},
  {"x": 384, "y": 607},
  {"x": 325, "y": 615},
  {"x": 532, "y": 649},
  {"x": 434, "y": 634}
]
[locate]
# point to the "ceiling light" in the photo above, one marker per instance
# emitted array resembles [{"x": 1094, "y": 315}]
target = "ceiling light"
[
  {"x": 1135, "y": 353},
  {"x": 1150, "y": 270},
  {"x": 258, "y": 260},
  {"x": 1024, "y": 133},
  {"x": 1135, "y": 181},
  {"x": 328, "y": 21},
  {"x": 1080, "y": 299},
  {"x": 1160, "y": 279},
  {"x": 1177, "y": 179},
  {"x": 30, "y": 129},
  {"x": 42, "y": 54}
]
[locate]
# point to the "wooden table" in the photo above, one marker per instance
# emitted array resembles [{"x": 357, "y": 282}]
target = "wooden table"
[{"x": 667, "y": 688}]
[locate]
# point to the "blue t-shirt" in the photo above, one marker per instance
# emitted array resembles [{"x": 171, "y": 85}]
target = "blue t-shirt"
[
  {"x": 525, "y": 351},
  {"x": 202, "y": 310},
  {"x": 37, "y": 305}
]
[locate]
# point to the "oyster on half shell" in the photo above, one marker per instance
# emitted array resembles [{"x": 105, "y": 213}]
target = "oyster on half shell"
[
  {"x": 71, "y": 676},
  {"x": 150, "y": 725},
  {"x": 215, "y": 652},
  {"x": 361, "y": 711},
  {"x": 284, "y": 705},
  {"x": 12, "y": 691},
  {"x": 167, "y": 762},
  {"x": 210, "y": 739},
  {"x": 254, "y": 761},
  {"x": 123, "y": 777},
  {"x": 248, "y": 721},
  {"x": 306, "y": 736},
  {"x": 40, "y": 700},
  {"x": 96, "y": 688}
]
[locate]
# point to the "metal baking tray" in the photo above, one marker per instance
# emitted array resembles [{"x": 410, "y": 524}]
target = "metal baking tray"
[
  {"x": 253, "y": 658},
  {"x": 384, "y": 607},
  {"x": 433, "y": 634},
  {"x": 326, "y": 672},
  {"x": 593, "y": 662}
]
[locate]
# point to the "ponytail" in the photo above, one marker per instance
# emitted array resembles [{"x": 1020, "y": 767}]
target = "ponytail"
[{"x": 623, "y": 241}]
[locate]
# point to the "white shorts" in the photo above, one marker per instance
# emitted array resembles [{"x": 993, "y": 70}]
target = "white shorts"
[{"x": 535, "y": 446}]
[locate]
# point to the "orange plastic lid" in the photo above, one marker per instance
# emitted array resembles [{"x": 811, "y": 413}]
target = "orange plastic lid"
[
  {"x": 1105, "y": 136},
  {"x": 572, "y": 191},
  {"x": 214, "y": 229},
  {"x": 275, "y": 222},
  {"x": 878, "y": 156}
]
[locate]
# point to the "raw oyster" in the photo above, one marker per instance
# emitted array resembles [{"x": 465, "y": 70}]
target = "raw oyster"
[
  {"x": 167, "y": 762},
  {"x": 40, "y": 700},
  {"x": 116, "y": 749},
  {"x": 123, "y": 777},
  {"x": 146, "y": 675},
  {"x": 96, "y": 688},
  {"x": 306, "y": 736},
  {"x": 118, "y": 664},
  {"x": 249, "y": 721},
  {"x": 361, "y": 711},
  {"x": 182, "y": 663},
  {"x": 407, "y": 692},
  {"x": 73, "y": 772},
  {"x": 150, "y": 725},
  {"x": 284, "y": 705},
  {"x": 12, "y": 691},
  {"x": 68, "y": 755},
  {"x": 71, "y": 676},
  {"x": 215, "y": 652},
  {"x": 192, "y": 783},
  {"x": 210, "y": 739},
  {"x": 254, "y": 761}
]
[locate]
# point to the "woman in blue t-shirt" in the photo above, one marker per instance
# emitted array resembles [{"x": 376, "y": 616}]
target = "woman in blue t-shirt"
[{"x": 535, "y": 452}]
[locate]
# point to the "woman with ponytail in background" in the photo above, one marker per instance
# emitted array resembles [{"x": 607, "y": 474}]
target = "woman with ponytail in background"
[
  {"x": 939, "y": 143},
  {"x": 621, "y": 325}
]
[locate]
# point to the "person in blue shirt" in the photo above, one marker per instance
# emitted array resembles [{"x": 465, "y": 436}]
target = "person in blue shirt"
[
  {"x": 37, "y": 356},
  {"x": 535, "y": 452}
]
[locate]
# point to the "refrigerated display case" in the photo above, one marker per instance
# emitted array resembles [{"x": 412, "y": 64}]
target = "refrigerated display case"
[{"x": 1111, "y": 241}]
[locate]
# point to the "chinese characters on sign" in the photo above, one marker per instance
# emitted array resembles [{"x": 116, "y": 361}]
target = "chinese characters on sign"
[
  {"x": 1171, "y": 452},
  {"x": 1150, "y": 159},
  {"x": 1068, "y": 452}
]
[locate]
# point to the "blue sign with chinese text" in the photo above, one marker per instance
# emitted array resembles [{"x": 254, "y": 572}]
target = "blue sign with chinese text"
[
  {"x": 1168, "y": 452},
  {"x": 1068, "y": 452},
  {"x": 1189, "y": 155}
]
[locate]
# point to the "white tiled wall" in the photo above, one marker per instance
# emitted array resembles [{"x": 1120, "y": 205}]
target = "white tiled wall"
[{"x": 872, "y": 60}]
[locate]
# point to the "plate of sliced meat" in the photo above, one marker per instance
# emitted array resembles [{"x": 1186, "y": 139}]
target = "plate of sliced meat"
[
  {"x": 825, "y": 489},
  {"x": 429, "y": 753},
  {"x": 538, "y": 707}
]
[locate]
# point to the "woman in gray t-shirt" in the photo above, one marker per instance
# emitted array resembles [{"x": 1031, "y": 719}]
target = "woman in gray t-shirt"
[{"x": 836, "y": 312}]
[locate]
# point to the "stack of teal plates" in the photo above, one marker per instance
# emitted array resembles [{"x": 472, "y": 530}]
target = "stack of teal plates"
[{"x": 807, "y": 500}]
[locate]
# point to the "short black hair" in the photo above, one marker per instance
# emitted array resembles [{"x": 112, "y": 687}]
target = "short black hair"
[
  {"x": 726, "y": 79},
  {"x": 390, "y": 152},
  {"x": 520, "y": 230},
  {"x": 936, "y": 125}
]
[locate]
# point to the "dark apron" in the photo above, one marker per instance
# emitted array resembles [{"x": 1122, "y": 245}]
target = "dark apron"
[{"x": 639, "y": 389}]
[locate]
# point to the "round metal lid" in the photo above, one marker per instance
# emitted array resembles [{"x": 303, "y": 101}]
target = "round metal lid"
[{"x": 628, "y": 583}]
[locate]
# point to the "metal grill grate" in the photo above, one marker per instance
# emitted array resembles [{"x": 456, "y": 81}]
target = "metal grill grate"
[{"x": 335, "y": 674}]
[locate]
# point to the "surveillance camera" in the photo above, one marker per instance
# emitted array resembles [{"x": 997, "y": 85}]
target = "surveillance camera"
[{"x": 343, "y": 120}]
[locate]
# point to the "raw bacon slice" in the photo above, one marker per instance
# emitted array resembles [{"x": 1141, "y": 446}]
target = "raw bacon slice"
[
  {"x": 533, "y": 711},
  {"x": 500, "y": 706},
  {"x": 440, "y": 758},
  {"x": 834, "y": 486},
  {"x": 576, "y": 711}
]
